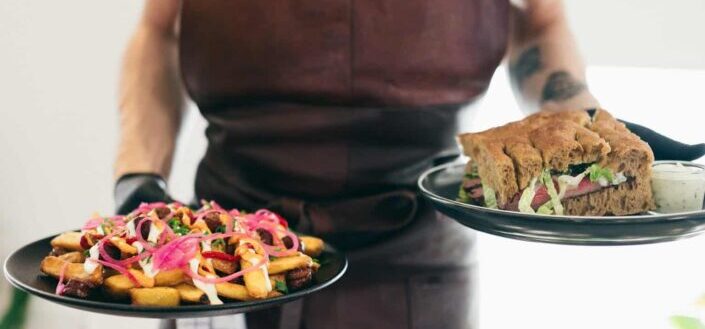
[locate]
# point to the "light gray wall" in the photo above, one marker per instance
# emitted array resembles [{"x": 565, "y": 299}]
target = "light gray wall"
[{"x": 640, "y": 32}]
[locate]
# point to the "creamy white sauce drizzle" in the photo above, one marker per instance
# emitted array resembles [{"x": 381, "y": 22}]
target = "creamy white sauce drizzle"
[
  {"x": 90, "y": 264},
  {"x": 207, "y": 288},
  {"x": 146, "y": 263},
  {"x": 154, "y": 232},
  {"x": 131, "y": 229}
]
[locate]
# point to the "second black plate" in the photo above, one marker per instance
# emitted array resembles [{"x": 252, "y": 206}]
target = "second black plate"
[
  {"x": 22, "y": 270},
  {"x": 440, "y": 185}
]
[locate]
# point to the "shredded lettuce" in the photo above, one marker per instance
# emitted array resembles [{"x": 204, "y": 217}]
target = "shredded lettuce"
[
  {"x": 490, "y": 196},
  {"x": 551, "y": 189},
  {"x": 527, "y": 196},
  {"x": 463, "y": 195},
  {"x": 596, "y": 172},
  {"x": 546, "y": 208}
]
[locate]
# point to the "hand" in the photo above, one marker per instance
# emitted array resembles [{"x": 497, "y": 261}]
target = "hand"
[
  {"x": 133, "y": 189},
  {"x": 664, "y": 148}
]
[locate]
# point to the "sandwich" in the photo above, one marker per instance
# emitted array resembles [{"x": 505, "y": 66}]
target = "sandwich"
[{"x": 580, "y": 163}]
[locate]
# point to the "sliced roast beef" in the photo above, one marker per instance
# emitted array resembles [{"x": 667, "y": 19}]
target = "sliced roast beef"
[{"x": 541, "y": 197}]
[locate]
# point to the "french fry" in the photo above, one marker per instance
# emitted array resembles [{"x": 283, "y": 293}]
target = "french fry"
[
  {"x": 257, "y": 282},
  {"x": 283, "y": 264},
  {"x": 191, "y": 294},
  {"x": 312, "y": 246},
  {"x": 143, "y": 279},
  {"x": 233, "y": 291},
  {"x": 51, "y": 265},
  {"x": 224, "y": 266},
  {"x": 169, "y": 278},
  {"x": 69, "y": 240},
  {"x": 274, "y": 293},
  {"x": 158, "y": 296},
  {"x": 125, "y": 248},
  {"x": 118, "y": 286},
  {"x": 73, "y": 257}
]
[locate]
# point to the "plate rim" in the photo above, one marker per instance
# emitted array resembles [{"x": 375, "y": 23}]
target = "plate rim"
[
  {"x": 123, "y": 309},
  {"x": 590, "y": 220}
]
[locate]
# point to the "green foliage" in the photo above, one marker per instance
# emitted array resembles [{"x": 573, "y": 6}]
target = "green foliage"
[
  {"x": 686, "y": 322},
  {"x": 15, "y": 316}
]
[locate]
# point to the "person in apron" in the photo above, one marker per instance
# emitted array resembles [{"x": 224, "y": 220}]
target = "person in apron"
[{"x": 327, "y": 112}]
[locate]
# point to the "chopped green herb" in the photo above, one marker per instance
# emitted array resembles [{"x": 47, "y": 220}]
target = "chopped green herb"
[
  {"x": 220, "y": 229},
  {"x": 315, "y": 260},
  {"x": 281, "y": 286},
  {"x": 178, "y": 227},
  {"x": 87, "y": 253}
]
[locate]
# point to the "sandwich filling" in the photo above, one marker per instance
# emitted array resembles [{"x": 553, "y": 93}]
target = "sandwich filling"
[{"x": 544, "y": 193}]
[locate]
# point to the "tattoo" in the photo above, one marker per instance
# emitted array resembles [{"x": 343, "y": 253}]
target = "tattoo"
[
  {"x": 560, "y": 86},
  {"x": 528, "y": 63}
]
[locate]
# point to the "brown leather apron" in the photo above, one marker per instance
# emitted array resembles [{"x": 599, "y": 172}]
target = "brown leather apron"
[{"x": 327, "y": 111}]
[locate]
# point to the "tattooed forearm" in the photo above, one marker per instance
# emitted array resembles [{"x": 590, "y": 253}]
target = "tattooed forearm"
[
  {"x": 526, "y": 65},
  {"x": 561, "y": 86}
]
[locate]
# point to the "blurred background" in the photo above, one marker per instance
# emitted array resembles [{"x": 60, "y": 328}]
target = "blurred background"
[{"x": 59, "y": 64}]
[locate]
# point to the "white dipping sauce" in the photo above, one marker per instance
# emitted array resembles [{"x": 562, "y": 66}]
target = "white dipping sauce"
[{"x": 678, "y": 187}]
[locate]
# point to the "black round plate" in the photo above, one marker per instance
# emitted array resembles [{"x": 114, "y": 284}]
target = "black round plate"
[
  {"x": 441, "y": 184},
  {"x": 22, "y": 270}
]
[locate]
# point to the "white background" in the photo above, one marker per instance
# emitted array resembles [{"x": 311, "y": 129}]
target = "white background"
[{"x": 59, "y": 62}]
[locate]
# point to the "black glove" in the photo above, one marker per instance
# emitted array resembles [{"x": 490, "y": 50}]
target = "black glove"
[
  {"x": 663, "y": 147},
  {"x": 133, "y": 189}
]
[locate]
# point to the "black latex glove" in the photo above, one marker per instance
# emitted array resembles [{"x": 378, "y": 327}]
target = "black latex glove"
[
  {"x": 133, "y": 189},
  {"x": 663, "y": 147}
]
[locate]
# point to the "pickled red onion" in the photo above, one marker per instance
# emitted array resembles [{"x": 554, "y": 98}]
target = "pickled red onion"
[
  {"x": 138, "y": 233},
  {"x": 216, "y": 236},
  {"x": 103, "y": 253},
  {"x": 216, "y": 206},
  {"x": 230, "y": 277},
  {"x": 176, "y": 253},
  {"x": 120, "y": 269},
  {"x": 145, "y": 207},
  {"x": 279, "y": 244},
  {"x": 207, "y": 212},
  {"x": 92, "y": 223},
  {"x": 117, "y": 220},
  {"x": 62, "y": 272},
  {"x": 126, "y": 262}
]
